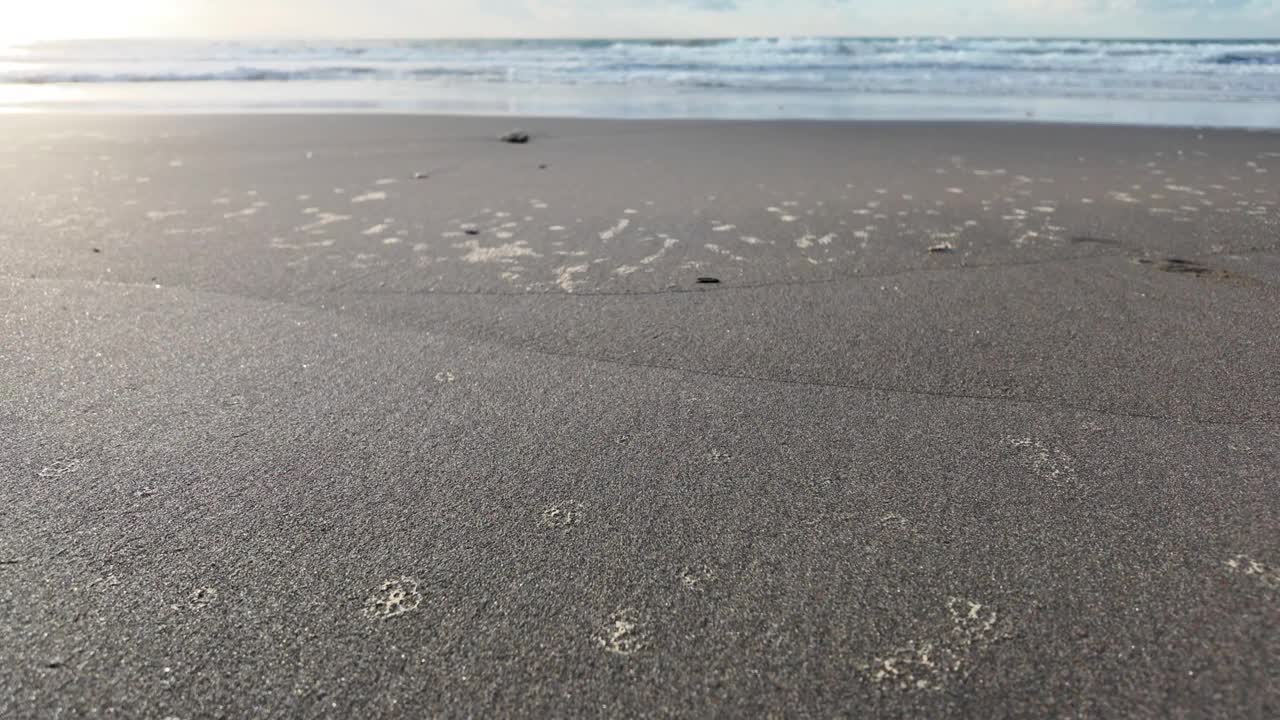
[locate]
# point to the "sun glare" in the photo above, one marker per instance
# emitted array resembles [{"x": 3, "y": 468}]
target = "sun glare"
[{"x": 27, "y": 21}]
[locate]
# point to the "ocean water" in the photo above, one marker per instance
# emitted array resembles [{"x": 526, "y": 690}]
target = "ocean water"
[{"x": 1178, "y": 82}]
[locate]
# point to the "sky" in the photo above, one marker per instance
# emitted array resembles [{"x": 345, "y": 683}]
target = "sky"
[{"x": 28, "y": 20}]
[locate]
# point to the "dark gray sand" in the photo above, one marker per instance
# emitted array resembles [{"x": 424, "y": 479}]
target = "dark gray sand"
[{"x": 384, "y": 417}]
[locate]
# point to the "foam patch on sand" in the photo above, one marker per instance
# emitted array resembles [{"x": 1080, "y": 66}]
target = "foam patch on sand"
[
  {"x": 565, "y": 273},
  {"x": 393, "y": 598},
  {"x": 1266, "y": 575},
  {"x": 1047, "y": 462},
  {"x": 936, "y": 663},
  {"x": 624, "y": 633},
  {"x": 322, "y": 219},
  {"x": 497, "y": 253},
  {"x": 60, "y": 467},
  {"x": 667, "y": 244},
  {"x": 563, "y": 516},
  {"x": 613, "y": 232}
]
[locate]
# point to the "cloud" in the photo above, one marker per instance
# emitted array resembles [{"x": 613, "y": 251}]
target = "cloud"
[
  {"x": 605, "y": 6},
  {"x": 713, "y": 5},
  {"x": 1143, "y": 6},
  {"x": 1204, "y": 5},
  {"x": 652, "y": 18}
]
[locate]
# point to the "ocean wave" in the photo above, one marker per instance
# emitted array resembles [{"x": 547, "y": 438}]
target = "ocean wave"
[
  {"x": 809, "y": 75},
  {"x": 239, "y": 74},
  {"x": 1211, "y": 70},
  {"x": 1247, "y": 58}
]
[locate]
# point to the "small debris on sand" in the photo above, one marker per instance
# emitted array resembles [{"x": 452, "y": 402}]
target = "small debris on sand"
[
  {"x": 202, "y": 598},
  {"x": 543, "y": 166},
  {"x": 942, "y": 247},
  {"x": 706, "y": 280},
  {"x": 421, "y": 176},
  {"x": 719, "y": 456},
  {"x": 97, "y": 250},
  {"x": 471, "y": 230},
  {"x": 515, "y": 137}
]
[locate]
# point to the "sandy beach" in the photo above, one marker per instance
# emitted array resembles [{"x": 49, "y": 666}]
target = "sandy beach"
[{"x": 339, "y": 416}]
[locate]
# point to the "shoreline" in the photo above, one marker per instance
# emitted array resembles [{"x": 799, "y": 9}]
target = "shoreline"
[
  {"x": 515, "y": 120},
  {"x": 612, "y": 103}
]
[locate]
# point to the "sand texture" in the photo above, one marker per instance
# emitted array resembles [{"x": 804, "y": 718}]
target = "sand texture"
[{"x": 382, "y": 417}]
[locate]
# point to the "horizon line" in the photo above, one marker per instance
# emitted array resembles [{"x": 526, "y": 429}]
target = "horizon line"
[{"x": 638, "y": 38}]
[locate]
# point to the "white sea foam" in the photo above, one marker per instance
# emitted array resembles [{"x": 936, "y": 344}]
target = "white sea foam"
[
  {"x": 812, "y": 71},
  {"x": 923, "y": 65}
]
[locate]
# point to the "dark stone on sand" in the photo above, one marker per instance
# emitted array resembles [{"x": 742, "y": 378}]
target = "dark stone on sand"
[
  {"x": 516, "y": 137},
  {"x": 471, "y": 230},
  {"x": 941, "y": 248},
  {"x": 97, "y": 250},
  {"x": 1080, "y": 239},
  {"x": 708, "y": 281},
  {"x": 543, "y": 166}
]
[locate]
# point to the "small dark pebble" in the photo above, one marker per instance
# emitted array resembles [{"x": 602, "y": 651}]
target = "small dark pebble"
[
  {"x": 517, "y": 137},
  {"x": 543, "y": 166},
  {"x": 471, "y": 231},
  {"x": 54, "y": 664},
  {"x": 97, "y": 250},
  {"x": 708, "y": 280}
]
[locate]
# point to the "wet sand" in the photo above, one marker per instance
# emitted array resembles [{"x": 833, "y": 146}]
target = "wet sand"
[{"x": 381, "y": 417}]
